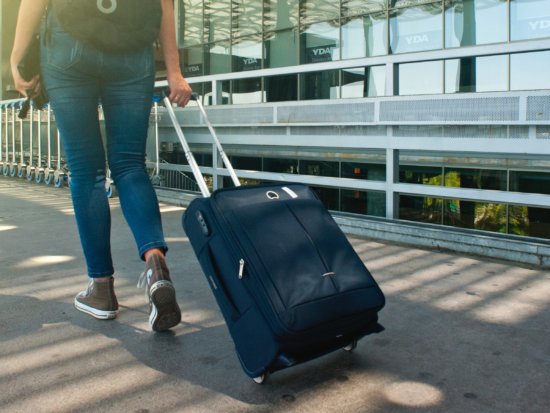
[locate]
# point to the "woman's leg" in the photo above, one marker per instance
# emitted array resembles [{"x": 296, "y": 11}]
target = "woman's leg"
[{"x": 127, "y": 94}]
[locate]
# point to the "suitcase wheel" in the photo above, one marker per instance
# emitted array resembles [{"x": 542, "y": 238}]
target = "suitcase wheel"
[
  {"x": 260, "y": 379},
  {"x": 351, "y": 346}
]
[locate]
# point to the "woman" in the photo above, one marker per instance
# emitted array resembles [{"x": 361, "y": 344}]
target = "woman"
[{"x": 76, "y": 76}]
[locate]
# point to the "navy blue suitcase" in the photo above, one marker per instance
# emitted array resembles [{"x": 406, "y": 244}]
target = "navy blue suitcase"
[{"x": 288, "y": 282}]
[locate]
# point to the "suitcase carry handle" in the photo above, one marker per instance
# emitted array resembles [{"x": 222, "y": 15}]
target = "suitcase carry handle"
[{"x": 187, "y": 151}]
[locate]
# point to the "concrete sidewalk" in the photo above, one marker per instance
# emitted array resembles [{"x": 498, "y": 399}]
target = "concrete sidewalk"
[{"x": 462, "y": 334}]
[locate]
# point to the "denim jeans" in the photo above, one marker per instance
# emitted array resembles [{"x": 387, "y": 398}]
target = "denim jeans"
[{"x": 78, "y": 77}]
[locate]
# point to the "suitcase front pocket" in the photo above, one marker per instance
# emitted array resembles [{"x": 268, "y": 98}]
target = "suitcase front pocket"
[{"x": 289, "y": 260}]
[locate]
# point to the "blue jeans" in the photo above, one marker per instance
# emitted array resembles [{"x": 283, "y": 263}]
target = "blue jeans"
[{"x": 77, "y": 77}]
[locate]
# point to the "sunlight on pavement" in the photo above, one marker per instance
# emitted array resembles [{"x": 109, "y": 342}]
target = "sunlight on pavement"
[
  {"x": 43, "y": 260},
  {"x": 414, "y": 394}
]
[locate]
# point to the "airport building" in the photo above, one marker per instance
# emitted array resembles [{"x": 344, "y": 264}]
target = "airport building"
[{"x": 429, "y": 113}]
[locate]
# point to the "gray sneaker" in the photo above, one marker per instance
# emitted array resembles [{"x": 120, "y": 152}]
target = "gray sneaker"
[
  {"x": 164, "y": 311},
  {"x": 98, "y": 300}
]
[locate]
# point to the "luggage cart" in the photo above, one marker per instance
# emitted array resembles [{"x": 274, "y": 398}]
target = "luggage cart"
[
  {"x": 59, "y": 173},
  {"x": 49, "y": 171},
  {"x": 13, "y": 163},
  {"x": 6, "y": 166},
  {"x": 31, "y": 167},
  {"x": 3, "y": 160},
  {"x": 22, "y": 166},
  {"x": 39, "y": 170}
]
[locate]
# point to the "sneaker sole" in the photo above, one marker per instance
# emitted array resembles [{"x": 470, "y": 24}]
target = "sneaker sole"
[
  {"x": 165, "y": 311},
  {"x": 94, "y": 312}
]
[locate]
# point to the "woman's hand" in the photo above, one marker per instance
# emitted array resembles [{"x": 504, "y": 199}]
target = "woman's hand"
[
  {"x": 180, "y": 91},
  {"x": 26, "y": 88}
]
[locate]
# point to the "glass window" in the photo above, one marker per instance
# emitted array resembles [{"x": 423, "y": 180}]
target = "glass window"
[
  {"x": 289, "y": 166},
  {"x": 281, "y": 49},
  {"x": 530, "y": 181},
  {"x": 360, "y": 7},
  {"x": 247, "y": 53},
  {"x": 471, "y": 22},
  {"x": 476, "y": 74},
  {"x": 365, "y": 36},
  {"x": 475, "y": 215},
  {"x": 247, "y": 91},
  {"x": 320, "y": 85},
  {"x": 364, "y": 82},
  {"x": 356, "y": 170},
  {"x": 425, "y": 175},
  {"x": 319, "y": 168},
  {"x": 280, "y": 14},
  {"x": 313, "y": 11},
  {"x": 320, "y": 42},
  {"x": 247, "y": 17},
  {"x": 248, "y": 163},
  {"x": 362, "y": 202},
  {"x": 420, "y": 209},
  {"x": 476, "y": 178},
  {"x": 529, "y": 71},
  {"x": 420, "y": 78},
  {"x": 281, "y": 88},
  {"x": 330, "y": 197},
  {"x": 217, "y": 58},
  {"x": 191, "y": 23},
  {"x": 529, "y": 221},
  {"x": 192, "y": 63},
  {"x": 413, "y": 29},
  {"x": 529, "y": 19},
  {"x": 217, "y": 23}
]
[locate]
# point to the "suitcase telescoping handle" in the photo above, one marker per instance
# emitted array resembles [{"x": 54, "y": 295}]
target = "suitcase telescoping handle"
[{"x": 187, "y": 151}]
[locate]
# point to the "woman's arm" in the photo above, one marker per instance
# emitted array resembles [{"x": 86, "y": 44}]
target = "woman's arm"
[
  {"x": 30, "y": 14},
  {"x": 180, "y": 91}
]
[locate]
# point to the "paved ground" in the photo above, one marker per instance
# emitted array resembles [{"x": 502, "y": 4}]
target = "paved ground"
[{"x": 462, "y": 334}]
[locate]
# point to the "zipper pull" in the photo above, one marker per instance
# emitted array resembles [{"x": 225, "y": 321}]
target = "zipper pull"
[{"x": 241, "y": 268}]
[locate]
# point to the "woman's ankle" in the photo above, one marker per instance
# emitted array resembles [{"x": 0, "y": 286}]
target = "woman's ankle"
[{"x": 153, "y": 251}]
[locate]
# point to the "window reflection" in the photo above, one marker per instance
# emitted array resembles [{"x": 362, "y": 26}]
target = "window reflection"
[
  {"x": 529, "y": 71},
  {"x": 413, "y": 29},
  {"x": 360, "y": 7},
  {"x": 420, "y": 78},
  {"x": 247, "y": 53},
  {"x": 365, "y": 36},
  {"x": 320, "y": 42},
  {"x": 192, "y": 61},
  {"x": 217, "y": 24},
  {"x": 281, "y": 48},
  {"x": 217, "y": 58},
  {"x": 476, "y": 74},
  {"x": 471, "y": 22},
  {"x": 191, "y": 23},
  {"x": 320, "y": 85},
  {"x": 364, "y": 82},
  {"x": 312, "y": 11},
  {"x": 529, "y": 19},
  {"x": 244, "y": 91},
  {"x": 280, "y": 14},
  {"x": 247, "y": 17}
]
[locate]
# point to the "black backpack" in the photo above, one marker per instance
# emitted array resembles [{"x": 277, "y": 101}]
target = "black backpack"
[{"x": 111, "y": 25}]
